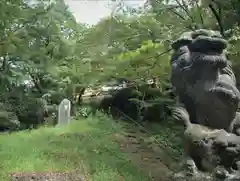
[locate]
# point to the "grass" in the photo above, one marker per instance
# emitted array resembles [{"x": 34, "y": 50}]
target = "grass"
[
  {"x": 168, "y": 135},
  {"x": 86, "y": 145}
]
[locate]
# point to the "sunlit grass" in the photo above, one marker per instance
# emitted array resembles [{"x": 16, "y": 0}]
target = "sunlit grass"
[{"x": 85, "y": 145}]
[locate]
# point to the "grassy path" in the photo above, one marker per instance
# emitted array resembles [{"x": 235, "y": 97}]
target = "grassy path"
[
  {"x": 96, "y": 149},
  {"x": 152, "y": 159}
]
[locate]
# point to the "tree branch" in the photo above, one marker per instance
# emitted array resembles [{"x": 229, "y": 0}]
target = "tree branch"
[
  {"x": 179, "y": 15},
  {"x": 218, "y": 18},
  {"x": 159, "y": 55},
  {"x": 5, "y": 65},
  {"x": 200, "y": 13},
  {"x": 36, "y": 83},
  {"x": 185, "y": 9}
]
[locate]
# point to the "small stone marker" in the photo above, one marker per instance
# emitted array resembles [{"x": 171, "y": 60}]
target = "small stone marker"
[{"x": 64, "y": 110}]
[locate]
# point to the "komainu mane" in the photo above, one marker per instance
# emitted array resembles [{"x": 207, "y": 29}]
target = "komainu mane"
[{"x": 206, "y": 86}]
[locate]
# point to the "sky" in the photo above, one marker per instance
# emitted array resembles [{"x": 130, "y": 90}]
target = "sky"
[{"x": 91, "y": 11}]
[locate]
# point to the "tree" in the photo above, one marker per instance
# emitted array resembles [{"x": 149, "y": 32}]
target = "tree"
[{"x": 46, "y": 54}]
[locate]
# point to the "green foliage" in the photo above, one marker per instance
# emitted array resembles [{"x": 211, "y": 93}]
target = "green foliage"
[
  {"x": 43, "y": 44},
  {"x": 46, "y": 56},
  {"x": 84, "y": 112},
  {"x": 9, "y": 121},
  {"x": 36, "y": 37}
]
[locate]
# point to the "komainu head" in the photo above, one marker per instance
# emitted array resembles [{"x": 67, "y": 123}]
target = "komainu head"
[{"x": 203, "y": 78}]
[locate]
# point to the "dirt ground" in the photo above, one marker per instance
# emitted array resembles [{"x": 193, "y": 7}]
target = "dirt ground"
[
  {"x": 47, "y": 176},
  {"x": 151, "y": 160}
]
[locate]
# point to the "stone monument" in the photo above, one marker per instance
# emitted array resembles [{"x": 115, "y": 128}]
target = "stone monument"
[
  {"x": 64, "y": 110},
  {"x": 208, "y": 102}
]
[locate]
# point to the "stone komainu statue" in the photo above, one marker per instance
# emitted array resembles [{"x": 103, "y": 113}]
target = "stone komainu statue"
[{"x": 206, "y": 86}]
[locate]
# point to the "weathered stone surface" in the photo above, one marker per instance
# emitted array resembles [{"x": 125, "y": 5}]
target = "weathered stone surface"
[
  {"x": 64, "y": 111},
  {"x": 204, "y": 80},
  {"x": 206, "y": 86}
]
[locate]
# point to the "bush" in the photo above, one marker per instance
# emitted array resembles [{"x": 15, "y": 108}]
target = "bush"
[{"x": 8, "y": 121}]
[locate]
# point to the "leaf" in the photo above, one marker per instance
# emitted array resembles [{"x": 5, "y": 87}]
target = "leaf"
[{"x": 11, "y": 48}]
